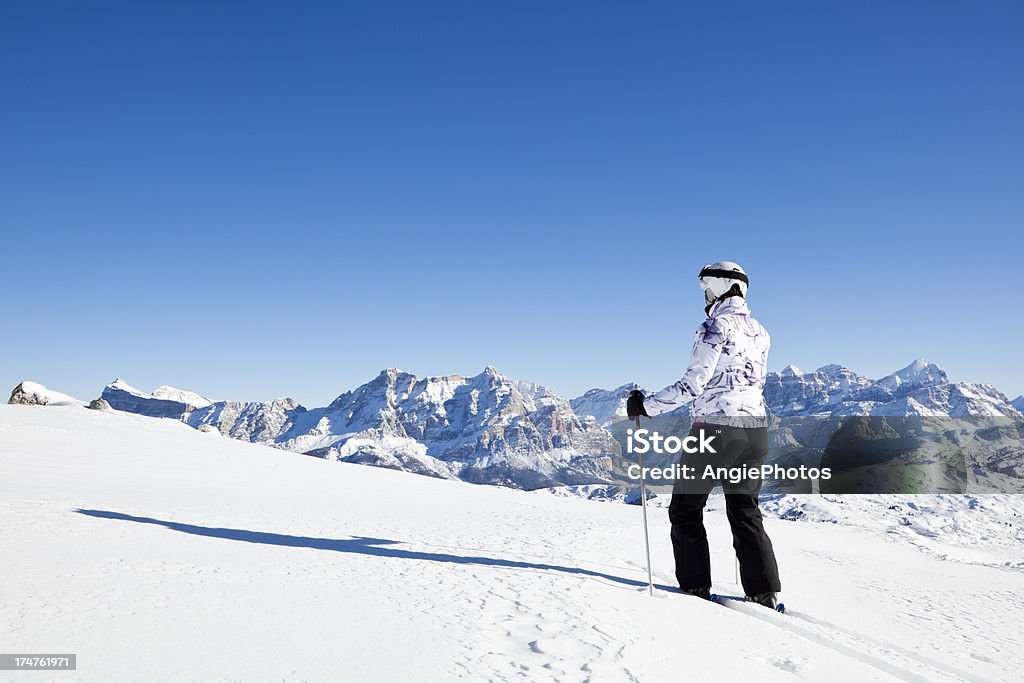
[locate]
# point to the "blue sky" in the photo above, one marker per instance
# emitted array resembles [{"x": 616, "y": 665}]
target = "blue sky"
[{"x": 253, "y": 200}]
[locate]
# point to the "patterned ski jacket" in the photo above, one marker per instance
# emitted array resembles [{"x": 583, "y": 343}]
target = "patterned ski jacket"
[{"x": 725, "y": 377}]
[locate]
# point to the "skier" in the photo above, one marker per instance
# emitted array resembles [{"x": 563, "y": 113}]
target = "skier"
[{"x": 724, "y": 383}]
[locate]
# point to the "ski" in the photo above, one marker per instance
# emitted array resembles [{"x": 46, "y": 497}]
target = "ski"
[{"x": 716, "y": 597}]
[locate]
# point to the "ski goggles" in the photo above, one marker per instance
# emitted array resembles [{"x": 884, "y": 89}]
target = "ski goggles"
[{"x": 708, "y": 271}]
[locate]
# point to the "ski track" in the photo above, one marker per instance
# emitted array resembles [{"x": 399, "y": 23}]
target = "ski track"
[
  {"x": 869, "y": 641},
  {"x": 900, "y": 662},
  {"x": 272, "y": 566}
]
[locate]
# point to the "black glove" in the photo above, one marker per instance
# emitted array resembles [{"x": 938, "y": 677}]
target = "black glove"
[{"x": 635, "y": 405}]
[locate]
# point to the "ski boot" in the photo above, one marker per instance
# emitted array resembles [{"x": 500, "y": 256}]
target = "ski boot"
[
  {"x": 770, "y": 600},
  {"x": 704, "y": 593}
]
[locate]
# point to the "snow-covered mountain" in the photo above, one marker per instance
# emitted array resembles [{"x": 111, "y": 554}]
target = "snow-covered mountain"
[
  {"x": 34, "y": 394},
  {"x": 164, "y": 402},
  {"x": 921, "y": 388},
  {"x": 1018, "y": 403},
  {"x": 975, "y": 447},
  {"x": 492, "y": 429},
  {"x": 484, "y": 429},
  {"x": 189, "y": 398},
  {"x": 605, "y": 405}
]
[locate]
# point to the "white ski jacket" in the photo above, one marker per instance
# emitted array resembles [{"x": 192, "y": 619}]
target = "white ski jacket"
[{"x": 725, "y": 377}]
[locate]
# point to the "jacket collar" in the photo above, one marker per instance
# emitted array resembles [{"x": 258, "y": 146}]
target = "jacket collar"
[{"x": 731, "y": 305}]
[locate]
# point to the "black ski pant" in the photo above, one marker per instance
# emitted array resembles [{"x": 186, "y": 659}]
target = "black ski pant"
[{"x": 736, "y": 447}]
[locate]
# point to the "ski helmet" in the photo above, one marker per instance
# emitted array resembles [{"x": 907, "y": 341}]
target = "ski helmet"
[{"x": 724, "y": 278}]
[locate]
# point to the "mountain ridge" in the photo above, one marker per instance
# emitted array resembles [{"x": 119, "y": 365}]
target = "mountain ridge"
[
  {"x": 488, "y": 428},
  {"x": 920, "y": 388}
]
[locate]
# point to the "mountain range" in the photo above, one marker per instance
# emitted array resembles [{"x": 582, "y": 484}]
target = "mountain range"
[
  {"x": 485, "y": 429},
  {"x": 921, "y": 388},
  {"x": 492, "y": 429}
]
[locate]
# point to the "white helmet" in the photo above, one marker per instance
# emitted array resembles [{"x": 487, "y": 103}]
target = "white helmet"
[{"x": 718, "y": 279}]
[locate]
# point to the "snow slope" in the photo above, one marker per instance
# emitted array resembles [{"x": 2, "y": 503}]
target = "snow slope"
[{"x": 157, "y": 552}]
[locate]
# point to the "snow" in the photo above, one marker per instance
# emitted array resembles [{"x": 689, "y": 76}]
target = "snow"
[
  {"x": 156, "y": 552},
  {"x": 124, "y": 386},
  {"x": 49, "y": 396},
  {"x": 605, "y": 406},
  {"x": 921, "y": 388},
  {"x": 181, "y": 396},
  {"x": 485, "y": 429},
  {"x": 918, "y": 372},
  {"x": 164, "y": 392}
]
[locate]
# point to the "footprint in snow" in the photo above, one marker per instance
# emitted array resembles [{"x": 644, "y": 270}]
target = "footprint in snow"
[{"x": 788, "y": 664}]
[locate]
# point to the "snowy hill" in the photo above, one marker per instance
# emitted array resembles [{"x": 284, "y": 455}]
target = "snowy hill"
[
  {"x": 35, "y": 394},
  {"x": 157, "y": 552}
]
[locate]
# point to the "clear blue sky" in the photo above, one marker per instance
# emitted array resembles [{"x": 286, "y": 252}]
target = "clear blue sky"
[{"x": 256, "y": 199}]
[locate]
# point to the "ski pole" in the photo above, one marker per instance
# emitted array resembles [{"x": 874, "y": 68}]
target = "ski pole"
[{"x": 643, "y": 505}]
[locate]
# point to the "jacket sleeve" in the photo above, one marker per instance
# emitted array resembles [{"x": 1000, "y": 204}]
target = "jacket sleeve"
[{"x": 707, "y": 347}]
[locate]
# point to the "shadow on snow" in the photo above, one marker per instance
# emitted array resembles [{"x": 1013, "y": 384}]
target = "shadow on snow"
[{"x": 359, "y": 545}]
